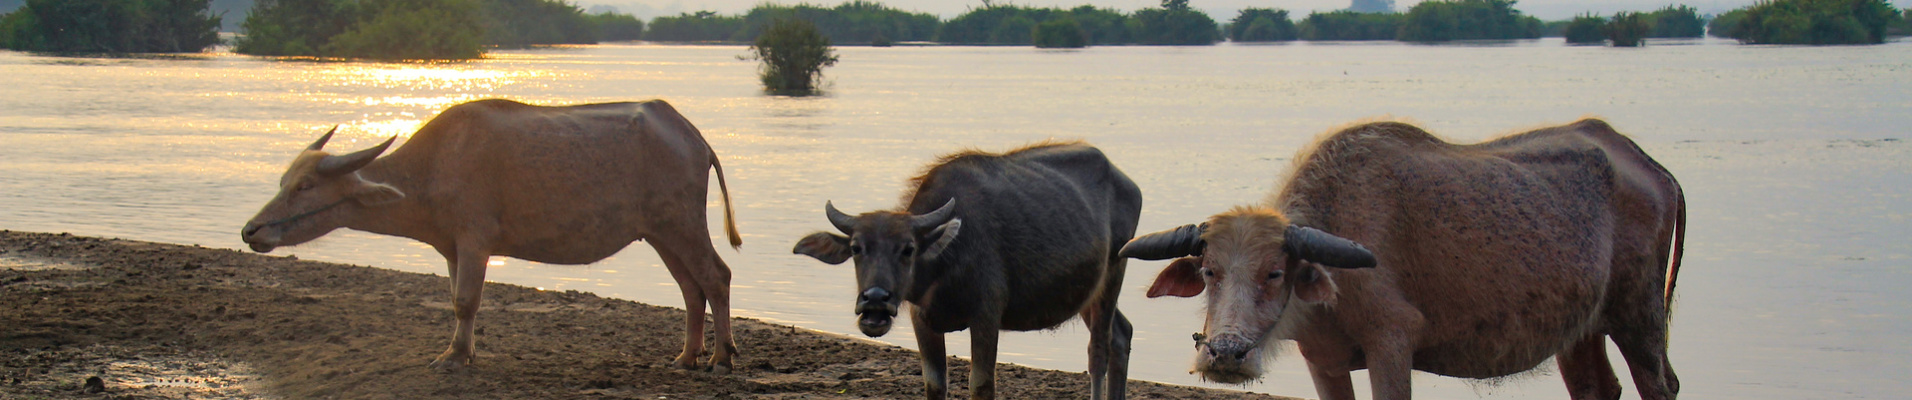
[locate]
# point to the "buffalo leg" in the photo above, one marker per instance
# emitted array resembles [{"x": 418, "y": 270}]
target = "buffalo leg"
[
  {"x": 694, "y": 301},
  {"x": 468, "y": 284},
  {"x": 1390, "y": 369},
  {"x": 935, "y": 360},
  {"x": 1329, "y": 370},
  {"x": 1109, "y": 335},
  {"x": 1119, "y": 356},
  {"x": 1645, "y": 351},
  {"x": 1588, "y": 373},
  {"x": 982, "y": 366}
]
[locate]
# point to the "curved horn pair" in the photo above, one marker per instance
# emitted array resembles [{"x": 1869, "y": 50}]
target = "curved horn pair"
[
  {"x": 934, "y": 218},
  {"x": 322, "y": 139},
  {"x": 1322, "y": 248},
  {"x": 847, "y": 224},
  {"x": 340, "y": 165},
  {"x": 1301, "y": 242},
  {"x": 1185, "y": 240}
]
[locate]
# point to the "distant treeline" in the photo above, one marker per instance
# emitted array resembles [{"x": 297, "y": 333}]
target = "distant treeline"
[
  {"x": 862, "y": 22},
  {"x": 110, "y": 26},
  {"x": 1816, "y": 22},
  {"x": 1630, "y": 28},
  {"x": 421, "y": 29}
]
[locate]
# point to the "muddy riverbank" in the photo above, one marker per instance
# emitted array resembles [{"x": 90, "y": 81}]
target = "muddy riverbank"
[{"x": 164, "y": 321}]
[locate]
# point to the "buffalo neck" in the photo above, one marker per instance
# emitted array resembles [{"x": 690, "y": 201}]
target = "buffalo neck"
[{"x": 408, "y": 216}]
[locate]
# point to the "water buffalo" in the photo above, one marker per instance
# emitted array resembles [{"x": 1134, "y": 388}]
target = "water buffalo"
[
  {"x": 1392, "y": 250},
  {"x": 562, "y": 185},
  {"x": 1039, "y": 227}
]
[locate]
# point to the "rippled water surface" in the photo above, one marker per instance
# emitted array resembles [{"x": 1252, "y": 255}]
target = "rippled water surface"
[{"x": 1795, "y": 162}]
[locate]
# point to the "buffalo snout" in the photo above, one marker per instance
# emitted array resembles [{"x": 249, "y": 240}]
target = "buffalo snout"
[
  {"x": 876, "y": 312},
  {"x": 250, "y": 235},
  {"x": 1227, "y": 359}
]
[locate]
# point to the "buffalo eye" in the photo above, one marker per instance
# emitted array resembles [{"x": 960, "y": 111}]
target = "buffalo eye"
[
  {"x": 856, "y": 249},
  {"x": 305, "y": 185},
  {"x": 909, "y": 249},
  {"x": 1273, "y": 275},
  {"x": 1208, "y": 272}
]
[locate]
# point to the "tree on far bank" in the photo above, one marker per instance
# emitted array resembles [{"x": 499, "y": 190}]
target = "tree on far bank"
[{"x": 110, "y": 26}]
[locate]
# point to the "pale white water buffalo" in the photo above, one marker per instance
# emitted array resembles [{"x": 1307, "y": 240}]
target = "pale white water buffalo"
[
  {"x": 1039, "y": 229},
  {"x": 1391, "y": 250},
  {"x": 561, "y": 185}
]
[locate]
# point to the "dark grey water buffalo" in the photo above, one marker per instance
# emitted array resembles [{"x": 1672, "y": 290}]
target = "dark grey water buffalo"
[
  {"x": 1039, "y": 228},
  {"x": 562, "y": 185},
  {"x": 1391, "y": 250}
]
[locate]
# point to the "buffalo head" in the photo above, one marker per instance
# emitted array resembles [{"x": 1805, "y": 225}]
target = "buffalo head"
[
  {"x": 887, "y": 246},
  {"x": 1254, "y": 266},
  {"x": 316, "y": 189}
]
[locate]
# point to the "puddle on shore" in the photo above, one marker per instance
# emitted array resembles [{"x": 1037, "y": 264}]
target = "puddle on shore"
[
  {"x": 132, "y": 373},
  {"x": 28, "y": 263}
]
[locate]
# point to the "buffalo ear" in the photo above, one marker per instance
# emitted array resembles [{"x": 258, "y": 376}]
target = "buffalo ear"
[
  {"x": 1312, "y": 283},
  {"x": 374, "y": 194},
  {"x": 827, "y": 247},
  {"x": 942, "y": 236},
  {"x": 1182, "y": 278}
]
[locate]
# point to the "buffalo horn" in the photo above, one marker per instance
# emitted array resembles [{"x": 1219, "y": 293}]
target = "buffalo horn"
[
  {"x": 934, "y": 218},
  {"x": 322, "y": 139},
  {"x": 1323, "y": 248},
  {"x": 340, "y": 165},
  {"x": 843, "y": 222},
  {"x": 1185, "y": 240}
]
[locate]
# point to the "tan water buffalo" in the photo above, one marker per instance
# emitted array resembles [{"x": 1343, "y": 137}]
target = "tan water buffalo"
[
  {"x": 1391, "y": 250},
  {"x": 561, "y": 185}
]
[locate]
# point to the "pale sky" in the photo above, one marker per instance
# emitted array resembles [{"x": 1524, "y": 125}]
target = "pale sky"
[{"x": 1221, "y": 10}]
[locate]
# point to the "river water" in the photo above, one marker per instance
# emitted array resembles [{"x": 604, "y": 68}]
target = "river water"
[{"x": 1795, "y": 162}]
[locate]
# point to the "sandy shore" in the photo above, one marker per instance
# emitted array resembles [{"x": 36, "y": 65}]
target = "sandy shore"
[{"x": 160, "y": 321}]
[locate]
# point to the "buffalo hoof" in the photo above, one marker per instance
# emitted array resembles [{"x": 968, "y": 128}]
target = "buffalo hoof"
[
  {"x": 450, "y": 362},
  {"x": 686, "y": 361}
]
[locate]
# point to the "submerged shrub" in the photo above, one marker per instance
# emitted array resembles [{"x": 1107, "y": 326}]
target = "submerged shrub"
[
  {"x": 1443, "y": 20},
  {"x": 1262, "y": 25},
  {"x": 1816, "y": 22},
  {"x": 1676, "y": 22},
  {"x": 1627, "y": 29},
  {"x": 617, "y": 27},
  {"x": 793, "y": 55},
  {"x": 1349, "y": 25},
  {"x": 702, "y": 26},
  {"x": 1060, "y": 33},
  {"x": 1586, "y": 29},
  {"x": 412, "y": 30}
]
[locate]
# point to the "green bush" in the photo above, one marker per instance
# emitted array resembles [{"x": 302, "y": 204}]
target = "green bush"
[
  {"x": 617, "y": 27},
  {"x": 1676, "y": 22},
  {"x": 1006, "y": 24},
  {"x": 702, "y": 26},
  {"x": 370, "y": 29},
  {"x": 793, "y": 54},
  {"x": 1444, "y": 20},
  {"x": 1725, "y": 24},
  {"x": 111, "y": 26},
  {"x": 518, "y": 23},
  {"x": 1173, "y": 26},
  {"x": 1060, "y": 33},
  {"x": 1628, "y": 29},
  {"x": 412, "y": 30},
  {"x": 1816, "y": 22},
  {"x": 1350, "y": 25},
  {"x": 1262, "y": 25},
  {"x": 1586, "y": 29},
  {"x": 856, "y": 21}
]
